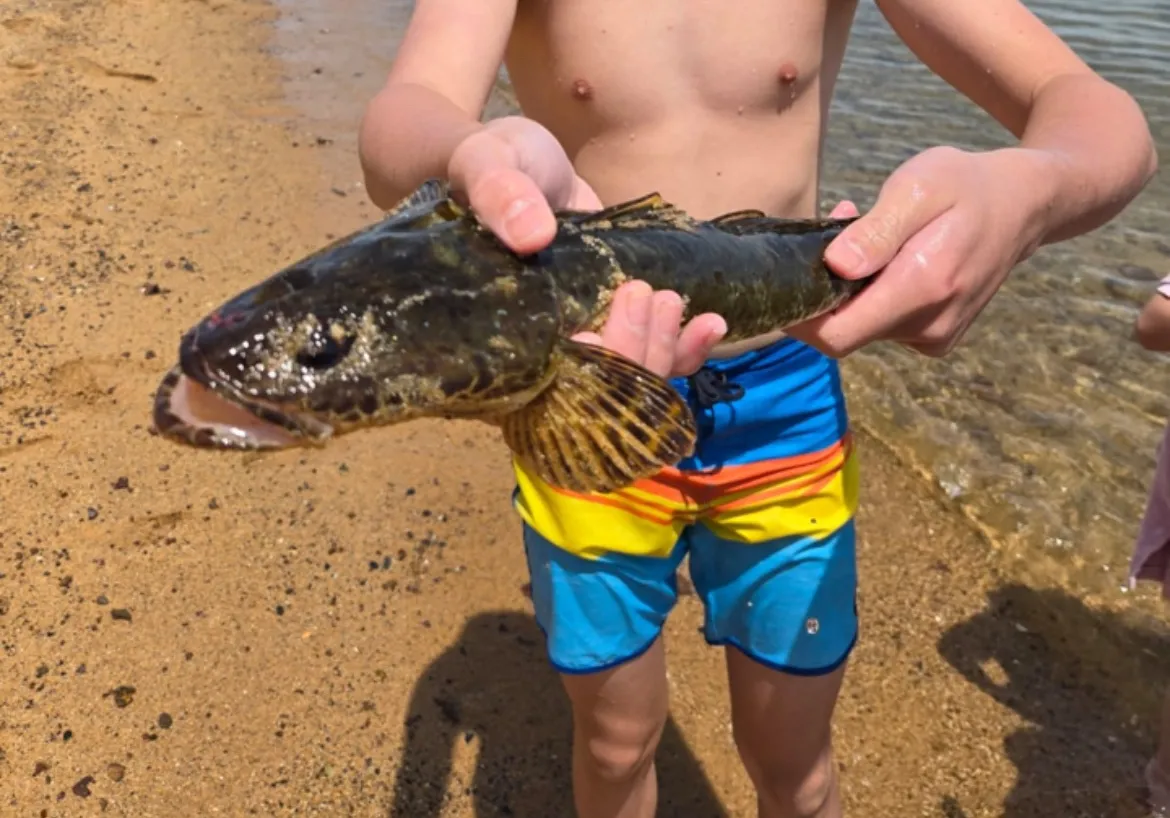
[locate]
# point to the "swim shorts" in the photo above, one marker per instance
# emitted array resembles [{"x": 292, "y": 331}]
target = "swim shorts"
[{"x": 764, "y": 508}]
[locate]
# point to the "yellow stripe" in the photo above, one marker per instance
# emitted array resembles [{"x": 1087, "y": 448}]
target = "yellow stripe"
[
  {"x": 591, "y": 529},
  {"x": 813, "y": 502},
  {"x": 815, "y": 511}
]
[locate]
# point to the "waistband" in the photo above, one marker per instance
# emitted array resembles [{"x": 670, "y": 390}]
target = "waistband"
[{"x": 721, "y": 380}]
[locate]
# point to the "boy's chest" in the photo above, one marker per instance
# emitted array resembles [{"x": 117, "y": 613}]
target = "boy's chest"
[{"x": 712, "y": 53}]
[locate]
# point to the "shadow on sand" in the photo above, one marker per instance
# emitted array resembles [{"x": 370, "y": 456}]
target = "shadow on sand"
[
  {"x": 495, "y": 688},
  {"x": 1090, "y": 684}
]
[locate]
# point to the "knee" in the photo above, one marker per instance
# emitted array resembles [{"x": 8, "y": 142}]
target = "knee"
[
  {"x": 791, "y": 787},
  {"x": 621, "y": 754}
]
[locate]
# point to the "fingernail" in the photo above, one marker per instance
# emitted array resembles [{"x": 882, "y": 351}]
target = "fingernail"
[
  {"x": 846, "y": 256},
  {"x": 521, "y": 220},
  {"x": 638, "y": 310},
  {"x": 718, "y": 331}
]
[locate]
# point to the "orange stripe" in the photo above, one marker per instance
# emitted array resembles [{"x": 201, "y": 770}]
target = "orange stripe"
[
  {"x": 669, "y": 484},
  {"x": 670, "y": 477},
  {"x": 804, "y": 488},
  {"x": 815, "y": 464},
  {"x": 689, "y": 494},
  {"x": 613, "y": 502},
  {"x": 794, "y": 464}
]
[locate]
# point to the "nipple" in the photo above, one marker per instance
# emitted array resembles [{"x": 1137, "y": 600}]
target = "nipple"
[
  {"x": 582, "y": 90},
  {"x": 787, "y": 76}
]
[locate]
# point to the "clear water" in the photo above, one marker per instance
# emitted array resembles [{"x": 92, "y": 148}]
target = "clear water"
[{"x": 1042, "y": 425}]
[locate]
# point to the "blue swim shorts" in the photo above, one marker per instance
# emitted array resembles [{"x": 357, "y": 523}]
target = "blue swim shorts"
[{"x": 764, "y": 509}]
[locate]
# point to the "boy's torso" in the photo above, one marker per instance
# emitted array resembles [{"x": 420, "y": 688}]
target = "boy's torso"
[{"x": 718, "y": 106}]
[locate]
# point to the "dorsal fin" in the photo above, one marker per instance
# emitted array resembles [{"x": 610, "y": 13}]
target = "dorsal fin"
[
  {"x": 649, "y": 211},
  {"x": 748, "y": 222},
  {"x": 738, "y": 216},
  {"x": 430, "y": 204},
  {"x": 429, "y": 192}
]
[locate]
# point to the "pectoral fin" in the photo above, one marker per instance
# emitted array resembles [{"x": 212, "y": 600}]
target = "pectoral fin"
[{"x": 604, "y": 423}]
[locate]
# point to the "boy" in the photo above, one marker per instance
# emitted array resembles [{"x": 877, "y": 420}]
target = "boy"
[{"x": 719, "y": 107}]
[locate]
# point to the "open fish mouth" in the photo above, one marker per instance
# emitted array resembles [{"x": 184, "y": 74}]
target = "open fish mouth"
[{"x": 188, "y": 411}]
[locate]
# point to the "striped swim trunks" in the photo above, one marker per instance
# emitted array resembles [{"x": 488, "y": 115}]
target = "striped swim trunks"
[{"x": 763, "y": 508}]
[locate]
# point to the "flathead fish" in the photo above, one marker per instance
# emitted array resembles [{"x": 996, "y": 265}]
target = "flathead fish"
[{"x": 427, "y": 314}]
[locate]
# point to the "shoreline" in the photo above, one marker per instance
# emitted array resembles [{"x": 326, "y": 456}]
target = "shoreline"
[{"x": 343, "y": 632}]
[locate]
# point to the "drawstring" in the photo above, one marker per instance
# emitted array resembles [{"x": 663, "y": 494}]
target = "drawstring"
[{"x": 710, "y": 386}]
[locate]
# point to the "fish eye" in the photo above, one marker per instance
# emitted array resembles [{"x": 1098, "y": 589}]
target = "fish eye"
[{"x": 327, "y": 349}]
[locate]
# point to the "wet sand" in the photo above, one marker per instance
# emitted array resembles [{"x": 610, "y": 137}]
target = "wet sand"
[{"x": 343, "y": 632}]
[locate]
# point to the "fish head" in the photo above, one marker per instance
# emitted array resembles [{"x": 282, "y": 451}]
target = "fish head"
[
  {"x": 280, "y": 364},
  {"x": 369, "y": 337}
]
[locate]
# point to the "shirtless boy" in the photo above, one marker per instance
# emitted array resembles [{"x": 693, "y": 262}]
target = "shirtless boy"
[{"x": 721, "y": 106}]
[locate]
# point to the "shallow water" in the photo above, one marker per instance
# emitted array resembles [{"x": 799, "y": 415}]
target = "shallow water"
[{"x": 1042, "y": 425}]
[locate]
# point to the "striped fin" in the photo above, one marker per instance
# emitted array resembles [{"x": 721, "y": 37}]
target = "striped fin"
[
  {"x": 429, "y": 192},
  {"x": 747, "y": 222},
  {"x": 645, "y": 212},
  {"x": 604, "y": 423}
]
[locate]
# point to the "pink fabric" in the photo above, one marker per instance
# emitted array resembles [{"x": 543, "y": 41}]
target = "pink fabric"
[{"x": 1151, "y": 555}]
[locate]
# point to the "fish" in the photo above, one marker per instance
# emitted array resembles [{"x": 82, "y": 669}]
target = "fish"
[{"x": 426, "y": 313}]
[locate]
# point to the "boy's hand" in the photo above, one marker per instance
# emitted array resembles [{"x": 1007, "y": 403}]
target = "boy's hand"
[
  {"x": 947, "y": 228},
  {"x": 644, "y": 326},
  {"x": 514, "y": 173}
]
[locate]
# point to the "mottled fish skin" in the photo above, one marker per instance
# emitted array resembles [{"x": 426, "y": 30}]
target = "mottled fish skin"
[
  {"x": 427, "y": 313},
  {"x": 760, "y": 273}
]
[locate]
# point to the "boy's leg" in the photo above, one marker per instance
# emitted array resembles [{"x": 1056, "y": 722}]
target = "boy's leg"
[
  {"x": 773, "y": 559},
  {"x": 785, "y": 610},
  {"x": 618, "y": 717},
  {"x": 602, "y": 615},
  {"x": 782, "y": 726}
]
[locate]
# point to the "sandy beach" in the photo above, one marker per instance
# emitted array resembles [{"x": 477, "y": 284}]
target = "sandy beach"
[{"x": 343, "y": 632}]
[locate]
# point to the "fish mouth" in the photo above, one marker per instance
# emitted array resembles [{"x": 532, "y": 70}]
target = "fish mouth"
[{"x": 190, "y": 407}]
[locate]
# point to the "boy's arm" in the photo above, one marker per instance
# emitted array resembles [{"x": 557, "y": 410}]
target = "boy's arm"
[
  {"x": 1010, "y": 64},
  {"x": 434, "y": 94},
  {"x": 1152, "y": 329},
  {"x": 949, "y": 225},
  {"x": 418, "y": 126}
]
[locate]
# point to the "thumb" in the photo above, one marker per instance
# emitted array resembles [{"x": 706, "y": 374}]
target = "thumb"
[
  {"x": 507, "y": 200},
  {"x": 870, "y": 243}
]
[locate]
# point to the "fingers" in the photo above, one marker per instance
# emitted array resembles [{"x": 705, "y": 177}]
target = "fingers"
[
  {"x": 696, "y": 342},
  {"x": 583, "y": 197},
  {"x": 844, "y": 210},
  {"x": 588, "y": 338},
  {"x": 507, "y": 200},
  {"x": 627, "y": 326},
  {"x": 904, "y": 206},
  {"x": 628, "y": 329},
  {"x": 909, "y": 292},
  {"x": 643, "y": 325},
  {"x": 666, "y": 311}
]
